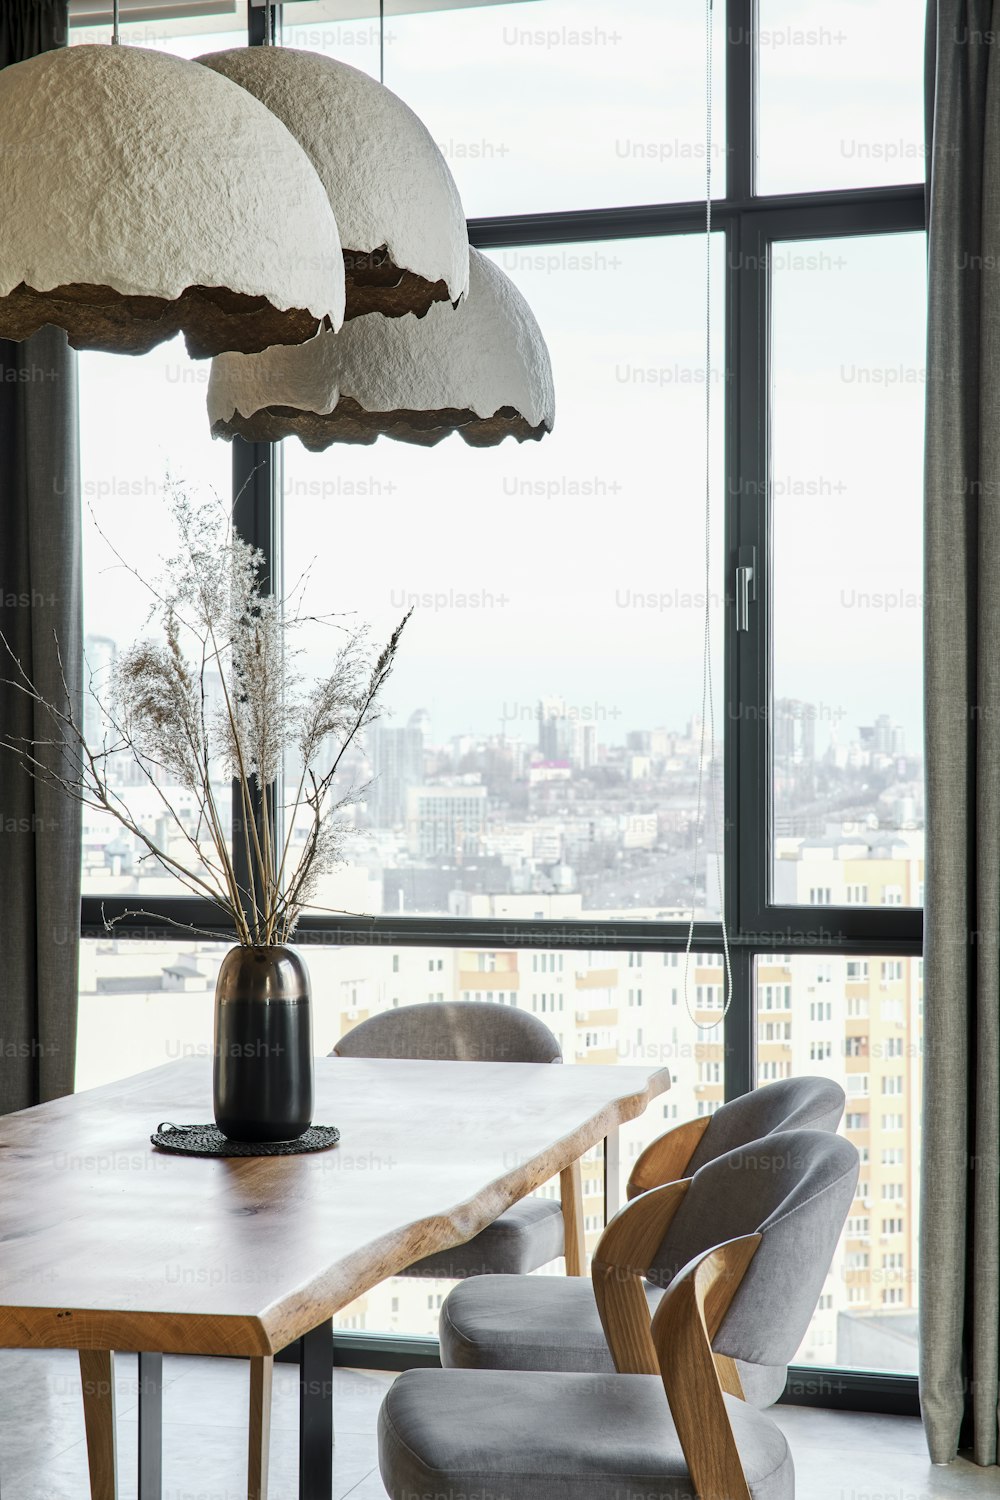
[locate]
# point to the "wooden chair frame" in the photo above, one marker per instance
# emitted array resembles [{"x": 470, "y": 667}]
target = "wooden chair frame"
[
  {"x": 676, "y": 1343},
  {"x": 666, "y": 1159},
  {"x": 683, "y": 1327},
  {"x": 622, "y": 1258}
]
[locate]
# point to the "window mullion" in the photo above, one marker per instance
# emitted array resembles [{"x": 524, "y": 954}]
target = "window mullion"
[
  {"x": 738, "y": 1029},
  {"x": 257, "y": 22},
  {"x": 741, "y": 101},
  {"x": 751, "y": 687}
]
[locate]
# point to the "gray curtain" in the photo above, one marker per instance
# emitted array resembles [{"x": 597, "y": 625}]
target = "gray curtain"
[
  {"x": 28, "y": 27},
  {"x": 40, "y": 602},
  {"x": 960, "y": 1217}
]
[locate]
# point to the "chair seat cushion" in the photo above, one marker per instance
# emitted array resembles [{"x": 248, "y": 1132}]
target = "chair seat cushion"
[
  {"x": 524, "y": 1323},
  {"x": 549, "y": 1323},
  {"x": 542, "y": 1436},
  {"x": 528, "y": 1235}
]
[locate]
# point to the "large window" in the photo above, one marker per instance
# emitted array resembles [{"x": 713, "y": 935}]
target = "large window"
[
  {"x": 542, "y": 754},
  {"x": 531, "y": 832}
]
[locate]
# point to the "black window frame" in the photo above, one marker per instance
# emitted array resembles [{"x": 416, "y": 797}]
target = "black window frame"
[{"x": 752, "y": 225}]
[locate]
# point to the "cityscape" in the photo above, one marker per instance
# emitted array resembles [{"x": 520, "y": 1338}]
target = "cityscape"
[
  {"x": 566, "y": 815},
  {"x": 566, "y": 807}
]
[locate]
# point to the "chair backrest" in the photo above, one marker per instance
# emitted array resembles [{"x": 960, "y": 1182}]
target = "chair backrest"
[
  {"x": 452, "y": 1031},
  {"x": 795, "y": 1189},
  {"x": 788, "y": 1104}
]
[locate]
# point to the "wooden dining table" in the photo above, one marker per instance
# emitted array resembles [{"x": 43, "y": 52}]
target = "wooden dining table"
[{"x": 108, "y": 1244}]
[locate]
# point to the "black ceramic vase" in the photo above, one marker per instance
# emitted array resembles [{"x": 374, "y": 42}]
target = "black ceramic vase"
[{"x": 263, "y": 1074}]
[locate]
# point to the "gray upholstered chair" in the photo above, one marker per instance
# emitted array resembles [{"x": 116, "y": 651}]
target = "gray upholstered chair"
[
  {"x": 541, "y": 1323},
  {"x": 776, "y": 1209},
  {"x": 531, "y": 1232},
  {"x": 789, "y": 1104}
]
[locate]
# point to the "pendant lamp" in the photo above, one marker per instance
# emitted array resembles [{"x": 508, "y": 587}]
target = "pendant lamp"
[
  {"x": 400, "y": 217},
  {"x": 145, "y": 195},
  {"x": 481, "y": 369}
]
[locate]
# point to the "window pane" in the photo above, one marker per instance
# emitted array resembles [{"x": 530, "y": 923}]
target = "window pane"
[
  {"x": 142, "y": 419},
  {"x": 325, "y": 26},
  {"x": 541, "y": 758},
  {"x": 142, "y": 1004},
  {"x": 610, "y": 101},
  {"x": 841, "y": 95},
  {"x": 847, "y": 444},
  {"x": 859, "y": 1021}
]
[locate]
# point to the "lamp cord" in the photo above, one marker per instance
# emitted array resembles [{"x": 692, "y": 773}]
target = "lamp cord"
[
  {"x": 115, "y": 26},
  {"x": 707, "y": 692},
  {"x": 381, "y": 41}
]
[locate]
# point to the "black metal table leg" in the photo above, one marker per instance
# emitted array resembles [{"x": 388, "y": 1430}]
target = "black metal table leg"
[
  {"x": 150, "y": 1426},
  {"x": 316, "y": 1414}
]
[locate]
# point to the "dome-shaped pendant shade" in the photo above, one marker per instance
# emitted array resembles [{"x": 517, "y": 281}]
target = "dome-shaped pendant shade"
[
  {"x": 142, "y": 195},
  {"x": 481, "y": 369},
  {"x": 401, "y": 220}
]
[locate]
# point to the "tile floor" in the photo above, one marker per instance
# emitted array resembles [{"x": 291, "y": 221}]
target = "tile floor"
[{"x": 838, "y": 1455}]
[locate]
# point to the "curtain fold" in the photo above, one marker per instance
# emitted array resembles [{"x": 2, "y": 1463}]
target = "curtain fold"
[
  {"x": 40, "y": 604},
  {"x": 28, "y": 27},
  {"x": 960, "y": 1211}
]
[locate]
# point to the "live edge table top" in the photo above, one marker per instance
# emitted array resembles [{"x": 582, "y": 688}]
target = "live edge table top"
[{"x": 107, "y": 1243}]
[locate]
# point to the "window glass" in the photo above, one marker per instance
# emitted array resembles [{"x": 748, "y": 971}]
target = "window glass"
[
  {"x": 858, "y": 1021},
  {"x": 848, "y": 387},
  {"x": 142, "y": 422},
  {"x": 541, "y": 756},
  {"x": 144, "y": 1003},
  {"x": 841, "y": 94},
  {"x": 324, "y": 26},
  {"x": 610, "y": 101}
]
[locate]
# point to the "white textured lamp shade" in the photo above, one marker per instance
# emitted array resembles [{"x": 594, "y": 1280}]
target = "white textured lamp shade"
[
  {"x": 481, "y": 369},
  {"x": 401, "y": 220},
  {"x": 143, "y": 195}
]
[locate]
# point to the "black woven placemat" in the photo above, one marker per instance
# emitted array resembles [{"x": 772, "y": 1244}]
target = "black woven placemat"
[{"x": 208, "y": 1140}]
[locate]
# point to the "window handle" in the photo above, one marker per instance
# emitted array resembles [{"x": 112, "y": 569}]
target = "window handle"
[{"x": 746, "y": 586}]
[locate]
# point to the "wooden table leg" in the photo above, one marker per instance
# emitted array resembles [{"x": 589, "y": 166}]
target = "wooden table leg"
[
  {"x": 571, "y": 1191},
  {"x": 97, "y": 1377},
  {"x": 150, "y": 1427},
  {"x": 261, "y": 1380}
]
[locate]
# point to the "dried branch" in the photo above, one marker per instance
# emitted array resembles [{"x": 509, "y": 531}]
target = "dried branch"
[
  {"x": 235, "y": 707},
  {"x": 110, "y": 923}
]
